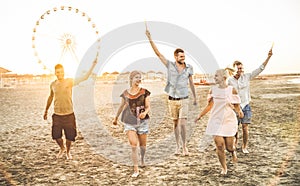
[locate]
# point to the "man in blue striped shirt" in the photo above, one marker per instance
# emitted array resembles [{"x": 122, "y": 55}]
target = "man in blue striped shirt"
[{"x": 179, "y": 77}]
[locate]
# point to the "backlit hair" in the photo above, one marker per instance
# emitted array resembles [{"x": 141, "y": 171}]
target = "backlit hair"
[
  {"x": 230, "y": 70},
  {"x": 224, "y": 72},
  {"x": 58, "y": 66}
]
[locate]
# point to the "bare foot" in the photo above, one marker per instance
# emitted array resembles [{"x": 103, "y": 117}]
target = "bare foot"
[
  {"x": 177, "y": 152},
  {"x": 245, "y": 151},
  {"x": 143, "y": 164},
  {"x": 135, "y": 174},
  {"x": 234, "y": 157},
  {"x": 185, "y": 152},
  {"x": 69, "y": 156},
  {"x": 60, "y": 153},
  {"x": 224, "y": 172}
]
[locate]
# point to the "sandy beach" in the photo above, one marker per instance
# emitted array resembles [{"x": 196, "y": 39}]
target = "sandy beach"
[{"x": 101, "y": 154}]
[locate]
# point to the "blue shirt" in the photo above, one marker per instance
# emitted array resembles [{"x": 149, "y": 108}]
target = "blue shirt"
[{"x": 177, "y": 83}]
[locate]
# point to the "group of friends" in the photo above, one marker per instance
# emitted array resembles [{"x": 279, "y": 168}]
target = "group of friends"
[{"x": 228, "y": 102}]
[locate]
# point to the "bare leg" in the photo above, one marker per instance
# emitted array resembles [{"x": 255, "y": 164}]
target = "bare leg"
[
  {"x": 133, "y": 140},
  {"x": 236, "y": 139},
  {"x": 134, "y": 156},
  {"x": 182, "y": 124},
  {"x": 177, "y": 138},
  {"x": 143, "y": 152},
  {"x": 245, "y": 138},
  {"x": 142, "y": 141},
  {"x": 60, "y": 143},
  {"x": 68, "y": 144},
  {"x": 229, "y": 142},
  {"x": 220, "y": 149}
]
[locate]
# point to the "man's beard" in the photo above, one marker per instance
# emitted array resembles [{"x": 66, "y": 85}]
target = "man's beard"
[{"x": 180, "y": 62}]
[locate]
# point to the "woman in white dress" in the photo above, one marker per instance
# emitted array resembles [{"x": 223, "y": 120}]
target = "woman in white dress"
[{"x": 223, "y": 101}]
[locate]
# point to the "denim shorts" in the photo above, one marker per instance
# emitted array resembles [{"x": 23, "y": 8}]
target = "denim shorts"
[
  {"x": 247, "y": 115},
  {"x": 142, "y": 128}
]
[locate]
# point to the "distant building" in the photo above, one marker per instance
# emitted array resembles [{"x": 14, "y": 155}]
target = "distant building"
[
  {"x": 161, "y": 75},
  {"x": 150, "y": 75},
  {"x": 116, "y": 77}
]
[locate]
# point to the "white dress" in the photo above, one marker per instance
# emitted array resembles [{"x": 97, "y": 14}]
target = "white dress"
[{"x": 223, "y": 119}]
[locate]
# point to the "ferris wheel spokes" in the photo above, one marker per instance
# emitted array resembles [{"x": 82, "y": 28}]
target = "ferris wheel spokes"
[
  {"x": 61, "y": 35},
  {"x": 72, "y": 51}
]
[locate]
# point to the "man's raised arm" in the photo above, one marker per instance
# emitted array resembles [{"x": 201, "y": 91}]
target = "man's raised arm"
[
  {"x": 268, "y": 58},
  {"x": 159, "y": 55},
  {"x": 263, "y": 65},
  {"x": 87, "y": 75}
]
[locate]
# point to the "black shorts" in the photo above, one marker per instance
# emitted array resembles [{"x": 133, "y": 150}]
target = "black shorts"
[{"x": 66, "y": 123}]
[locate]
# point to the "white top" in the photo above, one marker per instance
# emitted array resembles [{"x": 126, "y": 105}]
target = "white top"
[
  {"x": 223, "y": 119},
  {"x": 242, "y": 85}
]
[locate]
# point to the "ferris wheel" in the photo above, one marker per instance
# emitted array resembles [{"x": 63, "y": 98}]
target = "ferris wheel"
[{"x": 63, "y": 35}]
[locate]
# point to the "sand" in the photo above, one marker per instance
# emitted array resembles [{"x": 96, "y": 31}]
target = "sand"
[{"x": 101, "y": 153}]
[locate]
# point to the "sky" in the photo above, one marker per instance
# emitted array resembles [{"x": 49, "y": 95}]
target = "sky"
[{"x": 232, "y": 30}]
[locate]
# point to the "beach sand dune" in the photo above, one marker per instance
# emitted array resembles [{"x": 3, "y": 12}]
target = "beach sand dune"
[{"x": 101, "y": 154}]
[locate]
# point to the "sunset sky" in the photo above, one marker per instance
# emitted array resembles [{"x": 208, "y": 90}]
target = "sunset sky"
[{"x": 231, "y": 29}]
